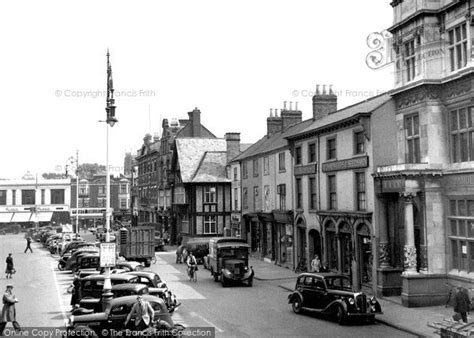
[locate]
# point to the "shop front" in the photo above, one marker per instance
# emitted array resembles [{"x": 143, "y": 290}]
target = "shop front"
[
  {"x": 284, "y": 230},
  {"x": 347, "y": 238}
]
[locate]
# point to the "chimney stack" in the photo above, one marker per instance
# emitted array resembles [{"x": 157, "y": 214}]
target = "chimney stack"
[
  {"x": 147, "y": 139},
  {"x": 325, "y": 103},
  {"x": 195, "y": 119},
  {"x": 290, "y": 117},
  {"x": 232, "y": 145},
  {"x": 273, "y": 123}
]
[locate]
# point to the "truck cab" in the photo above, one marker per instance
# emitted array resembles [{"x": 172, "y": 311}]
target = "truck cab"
[{"x": 228, "y": 260}]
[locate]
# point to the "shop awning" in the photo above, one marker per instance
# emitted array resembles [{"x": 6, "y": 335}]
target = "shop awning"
[
  {"x": 21, "y": 217},
  {"x": 6, "y": 217},
  {"x": 41, "y": 216}
]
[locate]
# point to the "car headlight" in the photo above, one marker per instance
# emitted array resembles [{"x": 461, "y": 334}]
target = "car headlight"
[
  {"x": 373, "y": 301},
  {"x": 351, "y": 301}
]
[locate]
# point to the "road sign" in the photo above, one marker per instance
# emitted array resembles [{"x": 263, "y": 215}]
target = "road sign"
[{"x": 107, "y": 255}]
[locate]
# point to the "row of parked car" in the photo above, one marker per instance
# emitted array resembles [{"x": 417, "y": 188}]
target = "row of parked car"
[{"x": 90, "y": 315}]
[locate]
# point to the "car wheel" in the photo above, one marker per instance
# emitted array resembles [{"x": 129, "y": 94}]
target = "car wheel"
[
  {"x": 296, "y": 305},
  {"x": 250, "y": 281},
  {"x": 341, "y": 316}
]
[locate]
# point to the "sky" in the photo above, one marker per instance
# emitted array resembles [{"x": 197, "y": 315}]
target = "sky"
[{"x": 234, "y": 60}]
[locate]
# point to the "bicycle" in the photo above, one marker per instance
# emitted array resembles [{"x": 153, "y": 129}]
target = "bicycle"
[
  {"x": 192, "y": 275},
  {"x": 301, "y": 266}
]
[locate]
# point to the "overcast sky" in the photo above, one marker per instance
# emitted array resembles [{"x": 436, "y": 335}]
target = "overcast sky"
[{"x": 234, "y": 60}]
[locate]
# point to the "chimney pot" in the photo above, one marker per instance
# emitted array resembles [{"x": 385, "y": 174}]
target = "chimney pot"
[
  {"x": 271, "y": 112},
  {"x": 291, "y": 104},
  {"x": 330, "y": 90},
  {"x": 284, "y": 105},
  {"x": 324, "y": 89},
  {"x": 317, "y": 89}
]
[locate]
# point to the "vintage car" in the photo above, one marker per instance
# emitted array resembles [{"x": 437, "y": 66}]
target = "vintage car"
[
  {"x": 111, "y": 321},
  {"x": 89, "y": 261},
  {"x": 71, "y": 261},
  {"x": 90, "y": 305},
  {"x": 228, "y": 260},
  {"x": 93, "y": 286},
  {"x": 157, "y": 287},
  {"x": 330, "y": 293}
]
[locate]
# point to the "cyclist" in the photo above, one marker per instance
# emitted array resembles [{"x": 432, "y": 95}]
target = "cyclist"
[{"x": 191, "y": 264}]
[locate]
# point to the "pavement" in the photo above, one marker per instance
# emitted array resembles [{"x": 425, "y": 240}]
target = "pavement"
[{"x": 410, "y": 320}]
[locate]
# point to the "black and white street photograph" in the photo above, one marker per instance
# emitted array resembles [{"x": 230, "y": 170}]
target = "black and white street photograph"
[{"x": 266, "y": 168}]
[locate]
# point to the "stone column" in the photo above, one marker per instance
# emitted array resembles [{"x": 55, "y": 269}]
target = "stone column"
[
  {"x": 384, "y": 245},
  {"x": 409, "y": 250}
]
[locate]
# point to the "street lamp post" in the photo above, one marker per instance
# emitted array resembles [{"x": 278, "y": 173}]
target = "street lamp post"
[{"x": 110, "y": 121}]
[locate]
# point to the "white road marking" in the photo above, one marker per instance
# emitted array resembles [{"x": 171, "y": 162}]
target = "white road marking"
[
  {"x": 63, "y": 313},
  {"x": 194, "y": 314}
]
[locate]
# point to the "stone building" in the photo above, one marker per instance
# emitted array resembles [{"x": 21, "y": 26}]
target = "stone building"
[
  {"x": 267, "y": 221},
  {"x": 334, "y": 158},
  {"x": 425, "y": 196}
]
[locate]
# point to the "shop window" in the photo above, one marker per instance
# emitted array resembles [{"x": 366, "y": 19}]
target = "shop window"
[
  {"x": 255, "y": 168},
  {"x": 412, "y": 138},
  {"x": 312, "y": 152},
  {"x": 461, "y": 123},
  {"x": 281, "y": 162},
  {"x": 461, "y": 234},
  {"x": 298, "y": 156},
  {"x": 410, "y": 59},
  {"x": 457, "y": 46}
]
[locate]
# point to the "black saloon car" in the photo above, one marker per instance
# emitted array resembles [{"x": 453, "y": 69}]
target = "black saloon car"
[
  {"x": 111, "y": 322},
  {"x": 329, "y": 293}
]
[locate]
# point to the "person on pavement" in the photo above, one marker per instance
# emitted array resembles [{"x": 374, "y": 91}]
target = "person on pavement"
[
  {"x": 191, "y": 262},
  {"x": 179, "y": 254},
  {"x": 9, "y": 269},
  {"x": 315, "y": 264},
  {"x": 8, "y": 310},
  {"x": 28, "y": 244},
  {"x": 462, "y": 303},
  {"x": 143, "y": 314}
]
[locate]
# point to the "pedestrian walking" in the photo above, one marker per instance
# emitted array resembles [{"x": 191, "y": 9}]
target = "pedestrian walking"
[
  {"x": 9, "y": 269},
  {"x": 315, "y": 264},
  {"x": 8, "y": 310},
  {"x": 462, "y": 304},
  {"x": 179, "y": 253},
  {"x": 28, "y": 244}
]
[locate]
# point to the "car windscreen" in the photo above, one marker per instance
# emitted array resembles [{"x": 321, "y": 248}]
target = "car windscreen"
[
  {"x": 238, "y": 253},
  {"x": 338, "y": 283}
]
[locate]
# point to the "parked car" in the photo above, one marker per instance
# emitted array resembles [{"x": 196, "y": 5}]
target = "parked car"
[
  {"x": 157, "y": 287},
  {"x": 72, "y": 261},
  {"x": 330, "y": 293},
  {"x": 90, "y": 305},
  {"x": 111, "y": 321},
  {"x": 93, "y": 286}
]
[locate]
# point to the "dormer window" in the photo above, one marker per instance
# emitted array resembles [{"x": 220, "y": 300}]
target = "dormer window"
[{"x": 457, "y": 47}]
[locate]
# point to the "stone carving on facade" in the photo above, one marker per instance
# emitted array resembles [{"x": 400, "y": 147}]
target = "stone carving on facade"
[
  {"x": 409, "y": 254},
  {"x": 384, "y": 254},
  {"x": 408, "y": 197},
  {"x": 417, "y": 96},
  {"x": 457, "y": 89}
]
